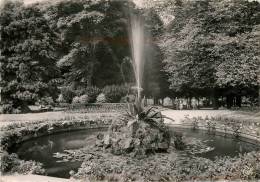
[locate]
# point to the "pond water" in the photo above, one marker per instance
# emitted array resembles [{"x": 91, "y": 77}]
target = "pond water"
[{"x": 199, "y": 143}]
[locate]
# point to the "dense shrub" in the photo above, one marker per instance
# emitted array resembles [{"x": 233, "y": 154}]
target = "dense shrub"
[
  {"x": 46, "y": 101},
  {"x": 114, "y": 93},
  {"x": 180, "y": 168},
  {"x": 92, "y": 93},
  {"x": 6, "y": 108},
  {"x": 67, "y": 94},
  {"x": 60, "y": 99},
  {"x": 101, "y": 98},
  {"x": 28, "y": 167},
  {"x": 79, "y": 92},
  {"x": 83, "y": 99},
  {"x": 8, "y": 161},
  {"x": 75, "y": 100},
  {"x": 11, "y": 163}
]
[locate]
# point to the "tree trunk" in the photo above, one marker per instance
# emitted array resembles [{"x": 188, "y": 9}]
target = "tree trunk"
[
  {"x": 259, "y": 95},
  {"x": 155, "y": 101},
  {"x": 238, "y": 101},
  {"x": 198, "y": 101},
  {"x": 229, "y": 101},
  {"x": 215, "y": 99}
]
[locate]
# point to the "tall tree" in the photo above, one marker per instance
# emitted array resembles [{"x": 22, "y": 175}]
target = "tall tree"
[
  {"x": 94, "y": 37},
  {"x": 206, "y": 47},
  {"x": 27, "y": 55}
]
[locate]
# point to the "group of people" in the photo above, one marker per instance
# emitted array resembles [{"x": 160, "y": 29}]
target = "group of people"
[{"x": 183, "y": 103}]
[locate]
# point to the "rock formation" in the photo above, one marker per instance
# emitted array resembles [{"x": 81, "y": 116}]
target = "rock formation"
[{"x": 138, "y": 136}]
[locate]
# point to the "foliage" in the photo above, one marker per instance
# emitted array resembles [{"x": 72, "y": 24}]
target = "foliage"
[
  {"x": 75, "y": 100},
  {"x": 46, "y": 101},
  {"x": 67, "y": 94},
  {"x": 60, "y": 99},
  {"x": 114, "y": 93},
  {"x": 84, "y": 99},
  {"x": 92, "y": 92},
  {"x": 27, "y": 55},
  {"x": 156, "y": 168},
  {"x": 6, "y": 109},
  {"x": 11, "y": 163},
  {"x": 203, "y": 48},
  {"x": 155, "y": 81},
  {"x": 93, "y": 34},
  {"x": 8, "y": 161},
  {"x": 101, "y": 98},
  {"x": 211, "y": 45}
]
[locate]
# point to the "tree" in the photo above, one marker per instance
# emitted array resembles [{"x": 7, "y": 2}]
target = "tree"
[
  {"x": 206, "y": 49},
  {"x": 94, "y": 41},
  {"x": 27, "y": 55}
]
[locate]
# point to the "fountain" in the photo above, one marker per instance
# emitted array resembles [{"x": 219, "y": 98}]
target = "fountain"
[
  {"x": 137, "y": 48},
  {"x": 136, "y": 147},
  {"x": 143, "y": 131}
]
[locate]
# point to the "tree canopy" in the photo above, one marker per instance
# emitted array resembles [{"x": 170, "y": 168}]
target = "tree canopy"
[
  {"x": 28, "y": 64},
  {"x": 195, "y": 48},
  {"x": 212, "y": 45}
]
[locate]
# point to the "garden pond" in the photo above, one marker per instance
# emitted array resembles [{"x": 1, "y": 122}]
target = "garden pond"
[{"x": 45, "y": 149}]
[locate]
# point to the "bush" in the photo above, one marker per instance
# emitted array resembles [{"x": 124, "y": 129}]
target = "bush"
[
  {"x": 114, "y": 93},
  {"x": 67, "y": 94},
  {"x": 75, "y": 100},
  {"x": 8, "y": 161},
  {"x": 6, "y": 109},
  {"x": 11, "y": 163},
  {"x": 79, "y": 92},
  {"x": 83, "y": 99},
  {"x": 60, "y": 99},
  {"x": 92, "y": 93},
  {"x": 28, "y": 167},
  {"x": 101, "y": 98},
  {"x": 47, "y": 101}
]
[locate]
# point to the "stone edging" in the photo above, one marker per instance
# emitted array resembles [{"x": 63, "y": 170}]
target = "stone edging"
[
  {"x": 19, "y": 133},
  {"x": 244, "y": 136},
  {"x": 12, "y": 135}
]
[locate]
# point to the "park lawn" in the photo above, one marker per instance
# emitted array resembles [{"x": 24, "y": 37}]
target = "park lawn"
[
  {"x": 176, "y": 115},
  {"x": 6, "y": 119}
]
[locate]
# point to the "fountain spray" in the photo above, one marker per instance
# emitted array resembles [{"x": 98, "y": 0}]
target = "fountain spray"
[{"x": 137, "y": 48}]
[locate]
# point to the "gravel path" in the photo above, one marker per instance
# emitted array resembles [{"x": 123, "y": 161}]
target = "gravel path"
[{"x": 32, "y": 178}]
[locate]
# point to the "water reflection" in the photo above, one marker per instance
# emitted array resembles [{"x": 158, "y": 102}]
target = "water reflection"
[{"x": 198, "y": 143}]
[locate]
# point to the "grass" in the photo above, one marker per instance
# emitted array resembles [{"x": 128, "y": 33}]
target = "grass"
[
  {"x": 6, "y": 119},
  {"x": 177, "y": 115}
]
